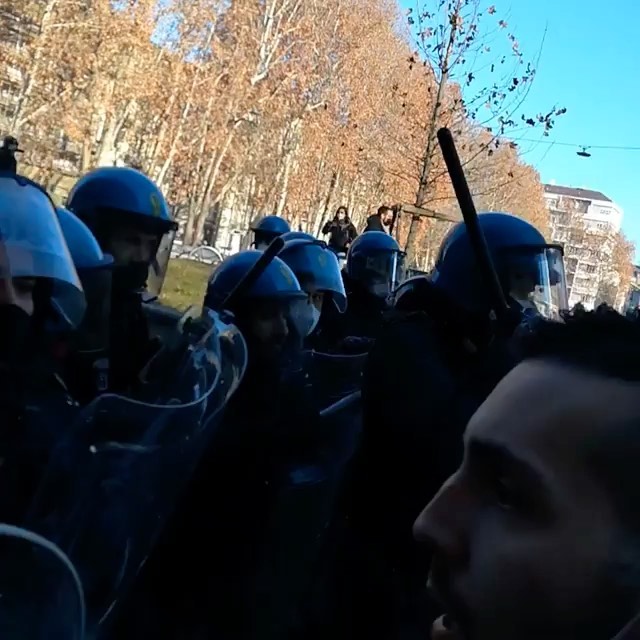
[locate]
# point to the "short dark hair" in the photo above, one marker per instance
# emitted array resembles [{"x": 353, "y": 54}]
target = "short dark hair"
[
  {"x": 600, "y": 341},
  {"x": 384, "y": 209},
  {"x": 608, "y": 344}
]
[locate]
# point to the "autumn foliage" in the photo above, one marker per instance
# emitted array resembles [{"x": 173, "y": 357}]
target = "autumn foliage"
[{"x": 281, "y": 106}]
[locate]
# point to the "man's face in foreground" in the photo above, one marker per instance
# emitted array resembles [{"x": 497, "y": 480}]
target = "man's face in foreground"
[{"x": 528, "y": 544}]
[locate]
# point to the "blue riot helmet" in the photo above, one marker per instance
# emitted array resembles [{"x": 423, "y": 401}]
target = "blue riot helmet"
[
  {"x": 375, "y": 261},
  {"x": 33, "y": 247},
  {"x": 318, "y": 271},
  {"x": 266, "y": 229},
  {"x": 83, "y": 246},
  {"x": 268, "y": 311},
  {"x": 38, "y": 281},
  {"x": 128, "y": 215},
  {"x": 297, "y": 235},
  {"x": 530, "y": 270}
]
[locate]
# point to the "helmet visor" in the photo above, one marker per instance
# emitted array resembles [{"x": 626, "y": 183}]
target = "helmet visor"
[
  {"x": 275, "y": 322},
  {"x": 535, "y": 278},
  {"x": 380, "y": 272},
  {"x": 316, "y": 268},
  {"x": 32, "y": 246}
]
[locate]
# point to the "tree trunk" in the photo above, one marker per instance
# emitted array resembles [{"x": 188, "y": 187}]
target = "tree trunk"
[
  {"x": 431, "y": 136},
  {"x": 292, "y": 144},
  {"x": 27, "y": 88},
  {"x": 213, "y": 171},
  {"x": 162, "y": 174},
  {"x": 319, "y": 221}
]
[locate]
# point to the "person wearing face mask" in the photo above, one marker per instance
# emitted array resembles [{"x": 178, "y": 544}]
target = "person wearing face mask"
[
  {"x": 381, "y": 220},
  {"x": 318, "y": 271},
  {"x": 340, "y": 230},
  {"x": 129, "y": 217},
  {"x": 373, "y": 270},
  {"x": 266, "y": 229},
  {"x": 39, "y": 287}
]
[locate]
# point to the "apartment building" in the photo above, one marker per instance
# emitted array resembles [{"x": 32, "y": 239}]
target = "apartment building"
[{"x": 585, "y": 222}]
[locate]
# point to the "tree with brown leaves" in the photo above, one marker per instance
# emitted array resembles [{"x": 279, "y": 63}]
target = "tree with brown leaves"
[
  {"x": 476, "y": 82},
  {"x": 238, "y": 109}
]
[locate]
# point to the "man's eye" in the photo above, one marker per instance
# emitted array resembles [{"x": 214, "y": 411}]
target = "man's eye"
[{"x": 507, "y": 495}]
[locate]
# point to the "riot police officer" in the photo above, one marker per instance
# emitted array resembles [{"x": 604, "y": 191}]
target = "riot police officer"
[
  {"x": 374, "y": 268},
  {"x": 39, "y": 286},
  {"x": 216, "y": 545},
  {"x": 431, "y": 367},
  {"x": 128, "y": 215},
  {"x": 317, "y": 269},
  {"x": 85, "y": 353},
  {"x": 267, "y": 228}
]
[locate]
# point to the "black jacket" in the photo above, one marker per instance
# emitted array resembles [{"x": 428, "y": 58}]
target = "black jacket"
[
  {"x": 341, "y": 234},
  {"x": 363, "y": 318},
  {"x": 421, "y": 385}
]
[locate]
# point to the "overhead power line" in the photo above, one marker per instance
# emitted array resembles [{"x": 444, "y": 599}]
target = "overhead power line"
[{"x": 578, "y": 146}]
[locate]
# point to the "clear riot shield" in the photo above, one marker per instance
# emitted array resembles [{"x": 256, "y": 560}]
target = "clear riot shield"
[
  {"x": 334, "y": 376},
  {"x": 112, "y": 484},
  {"x": 299, "y": 521},
  {"x": 42, "y": 597}
]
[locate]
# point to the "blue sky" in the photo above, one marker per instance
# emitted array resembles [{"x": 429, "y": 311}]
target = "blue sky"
[{"x": 589, "y": 64}]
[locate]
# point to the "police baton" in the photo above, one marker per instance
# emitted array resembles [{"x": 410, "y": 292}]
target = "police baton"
[
  {"x": 254, "y": 273},
  {"x": 470, "y": 217}
]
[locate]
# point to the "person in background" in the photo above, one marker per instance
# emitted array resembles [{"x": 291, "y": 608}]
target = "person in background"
[
  {"x": 380, "y": 221},
  {"x": 536, "y": 534},
  {"x": 340, "y": 230}
]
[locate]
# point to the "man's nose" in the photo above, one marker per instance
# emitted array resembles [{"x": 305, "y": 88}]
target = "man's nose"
[
  {"x": 282, "y": 326},
  {"x": 442, "y": 523}
]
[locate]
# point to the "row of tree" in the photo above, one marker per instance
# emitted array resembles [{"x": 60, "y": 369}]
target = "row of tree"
[{"x": 282, "y": 106}]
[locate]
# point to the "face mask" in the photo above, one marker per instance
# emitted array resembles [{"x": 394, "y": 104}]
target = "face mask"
[
  {"x": 315, "y": 315},
  {"x": 130, "y": 277},
  {"x": 380, "y": 289},
  {"x": 308, "y": 323}
]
